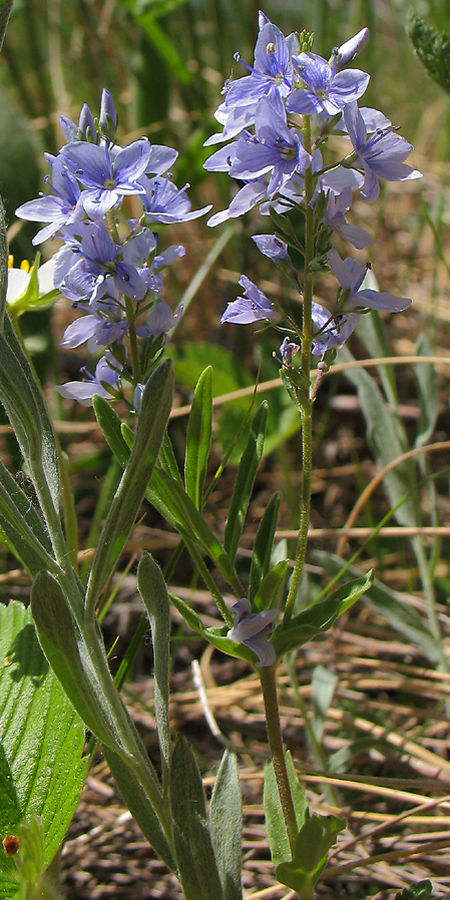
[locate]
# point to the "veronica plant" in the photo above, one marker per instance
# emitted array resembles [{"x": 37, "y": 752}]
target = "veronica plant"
[{"x": 102, "y": 202}]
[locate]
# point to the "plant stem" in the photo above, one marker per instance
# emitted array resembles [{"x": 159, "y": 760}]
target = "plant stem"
[
  {"x": 134, "y": 349},
  {"x": 305, "y": 403},
  {"x": 269, "y": 689}
]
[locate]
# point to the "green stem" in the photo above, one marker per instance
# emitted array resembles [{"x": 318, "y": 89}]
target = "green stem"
[
  {"x": 269, "y": 689},
  {"x": 305, "y": 403},
  {"x": 135, "y": 361}
]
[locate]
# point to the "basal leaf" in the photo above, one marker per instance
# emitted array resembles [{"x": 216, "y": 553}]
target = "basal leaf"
[
  {"x": 192, "y": 841},
  {"x": 225, "y": 817}
]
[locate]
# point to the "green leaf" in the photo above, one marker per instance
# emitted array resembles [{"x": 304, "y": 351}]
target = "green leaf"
[
  {"x": 275, "y": 825},
  {"x": 192, "y": 841},
  {"x": 323, "y": 685},
  {"x": 154, "y": 413},
  {"x": 320, "y": 616},
  {"x": 67, "y": 654},
  {"x": 215, "y": 635},
  {"x": 167, "y": 493},
  {"x": 225, "y": 817},
  {"x": 433, "y": 49},
  {"x": 41, "y": 741},
  {"x": 167, "y": 458},
  {"x": 198, "y": 439},
  {"x": 244, "y": 482},
  {"x": 110, "y": 423},
  {"x": 270, "y": 586},
  {"x": 395, "y": 608},
  {"x": 312, "y": 844},
  {"x": 139, "y": 805},
  {"x": 428, "y": 381},
  {"x": 388, "y": 439},
  {"x": 5, "y": 9},
  {"x": 262, "y": 548},
  {"x": 25, "y": 407},
  {"x": 419, "y": 891},
  {"x": 152, "y": 588}
]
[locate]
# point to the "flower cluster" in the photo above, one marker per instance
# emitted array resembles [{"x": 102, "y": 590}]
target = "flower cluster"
[
  {"x": 277, "y": 122},
  {"x": 111, "y": 272}
]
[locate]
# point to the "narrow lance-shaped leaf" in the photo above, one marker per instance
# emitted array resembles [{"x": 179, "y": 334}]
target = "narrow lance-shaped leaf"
[
  {"x": 154, "y": 413},
  {"x": 198, "y": 438},
  {"x": 225, "y": 816},
  {"x": 153, "y": 591},
  {"x": 245, "y": 479},
  {"x": 192, "y": 841},
  {"x": 63, "y": 646},
  {"x": 320, "y": 616},
  {"x": 312, "y": 844},
  {"x": 140, "y": 806},
  {"x": 262, "y": 548},
  {"x": 275, "y": 823}
]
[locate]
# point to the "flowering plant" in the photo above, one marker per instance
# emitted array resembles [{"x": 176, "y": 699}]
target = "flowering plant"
[{"x": 279, "y": 121}]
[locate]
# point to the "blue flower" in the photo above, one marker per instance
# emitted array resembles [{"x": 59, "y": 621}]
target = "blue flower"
[
  {"x": 334, "y": 216},
  {"x": 106, "y": 174},
  {"x": 330, "y": 330},
  {"x": 253, "y": 630},
  {"x": 347, "y": 52},
  {"x": 287, "y": 351},
  {"x": 351, "y": 275},
  {"x": 98, "y": 268},
  {"x": 272, "y": 246},
  {"x": 271, "y": 67},
  {"x": 275, "y": 148},
  {"x": 326, "y": 90},
  {"x": 164, "y": 202},
  {"x": 252, "y": 308},
  {"x": 60, "y": 208},
  {"x": 107, "y": 374},
  {"x": 382, "y": 155}
]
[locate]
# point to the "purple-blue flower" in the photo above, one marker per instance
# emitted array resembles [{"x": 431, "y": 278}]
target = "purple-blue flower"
[
  {"x": 98, "y": 269},
  {"x": 275, "y": 148},
  {"x": 271, "y": 67},
  {"x": 159, "y": 321},
  {"x": 101, "y": 328},
  {"x": 330, "y": 330},
  {"x": 350, "y": 275},
  {"x": 60, "y": 208},
  {"x": 287, "y": 351},
  {"x": 164, "y": 202},
  {"x": 347, "y": 51},
  {"x": 272, "y": 246},
  {"x": 325, "y": 91},
  {"x": 106, "y": 174},
  {"x": 253, "y": 630},
  {"x": 107, "y": 373},
  {"x": 254, "y": 307},
  {"x": 334, "y": 216},
  {"x": 382, "y": 155}
]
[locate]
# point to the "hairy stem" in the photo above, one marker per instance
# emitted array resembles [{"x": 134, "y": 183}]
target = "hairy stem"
[{"x": 269, "y": 689}]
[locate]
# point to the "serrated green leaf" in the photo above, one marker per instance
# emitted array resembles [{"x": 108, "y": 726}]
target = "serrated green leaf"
[
  {"x": 198, "y": 438},
  {"x": 320, "y": 616},
  {"x": 225, "y": 817},
  {"x": 192, "y": 841},
  {"x": 154, "y": 412},
  {"x": 275, "y": 825},
  {"x": 153, "y": 590},
  {"x": 244, "y": 482},
  {"x": 41, "y": 740},
  {"x": 262, "y": 548},
  {"x": 433, "y": 49},
  {"x": 312, "y": 844}
]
